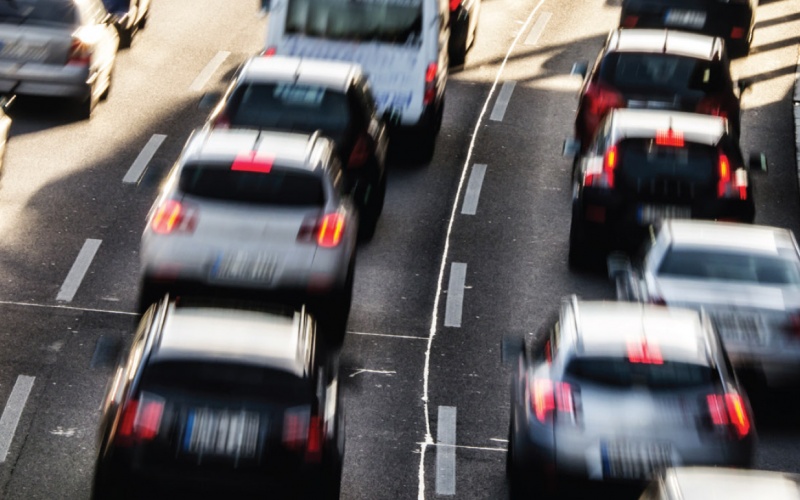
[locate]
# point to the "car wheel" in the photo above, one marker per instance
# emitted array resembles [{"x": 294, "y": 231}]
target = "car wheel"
[
  {"x": 126, "y": 37},
  {"x": 149, "y": 294},
  {"x": 373, "y": 207},
  {"x": 84, "y": 108},
  {"x": 578, "y": 257},
  {"x": 107, "y": 90},
  {"x": 458, "y": 55}
]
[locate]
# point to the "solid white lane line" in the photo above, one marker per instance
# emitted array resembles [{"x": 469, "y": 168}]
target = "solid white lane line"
[
  {"x": 501, "y": 104},
  {"x": 455, "y": 295},
  {"x": 78, "y": 271},
  {"x": 446, "y": 252},
  {"x": 140, "y": 163},
  {"x": 12, "y": 412},
  {"x": 410, "y": 337},
  {"x": 454, "y": 446},
  {"x": 212, "y": 66},
  {"x": 446, "y": 451},
  {"x": 538, "y": 28},
  {"x": 471, "y": 197},
  {"x": 359, "y": 371},
  {"x": 50, "y": 306}
]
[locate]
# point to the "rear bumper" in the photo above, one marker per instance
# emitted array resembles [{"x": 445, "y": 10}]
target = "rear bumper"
[{"x": 44, "y": 80}]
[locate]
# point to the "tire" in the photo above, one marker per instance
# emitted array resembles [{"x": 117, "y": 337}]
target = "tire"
[
  {"x": 148, "y": 295},
  {"x": 373, "y": 208},
  {"x": 425, "y": 145},
  {"x": 107, "y": 90},
  {"x": 83, "y": 109},
  {"x": 578, "y": 257},
  {"x": 458, "y": 55},
  {"x": 126, "y": 37}
]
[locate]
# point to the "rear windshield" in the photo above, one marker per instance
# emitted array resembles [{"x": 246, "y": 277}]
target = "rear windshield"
[
  {"x": 390, "y": 21},
  {"x": 643, "y": 161},
  {"x": 278, "y": 187},
  {"x": 227, "y": 379},
  {"x": 619, "y": 372},
  {"x": 634, "y": 72},
  {"x": 44, "y": 12},
  {"x": 286, "y": 106},
  {"x": 729, "y": 266}
]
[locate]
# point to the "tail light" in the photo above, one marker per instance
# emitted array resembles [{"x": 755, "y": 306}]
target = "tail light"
[
  {"x": 454, "y": 4},
  {"x": 430, "y": 83},
  {"x": 737, "y": 32},
  {"x": 793, "y": 324},
  {"x": 730, "y": 184},
  {"x": 326, "y": 231},
  {"x": 222, "y": 121},
  {"x": 548, "y": 397},
  {"x": 600, "y": 100},
  {"x": 304, "y": 433},
  {"x": 641, "y": 351},
  {"x": 729, "y": 411},
  {"x": 269, "y": 51},
  {"x": 80, "y": 53},
  {"x": 711, "y": 106},
  {"x": 630, "y": 21},
  {"x": 174, "y": 217},
  {"x": 604, "y": 175},
  {"x": 360, "y": 153},
  {"x": 657, "y": 301},
  {"x": 141, "y": 420}
]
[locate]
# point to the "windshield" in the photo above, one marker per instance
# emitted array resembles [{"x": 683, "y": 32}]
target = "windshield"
[
  {"x": 290, "y": 107},
  {"x": 635, "y": 72},
  {"x": 278, "y": 187},
  {"x": 729, "y": 266},
  {"x": 390, "y": 21},
  {"x": 619, "y": 372},
  {"x": 642, "y": 161},
  {"x": 44, "y": 12}
]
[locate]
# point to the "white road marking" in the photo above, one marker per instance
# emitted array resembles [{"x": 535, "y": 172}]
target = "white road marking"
[
  {"x": 501, "y": 104},
  {"x": 471, "y": 197},
  {"x": 498, "y": 440},
  {"x": 212, "y": 66},
  {"x": 455, "y": 295},
  {"x": 538, "y": 28},
  {"x": 50, "y": 306},
  {"x": 454, "y": 446},
  {"x": 60, "y": 431},
  {"x": 78, "y": 271},
  {"x": 446, "y": 451},
  {"x": 140, "y": 163},
  {"x": 379, "y": 372},
  {"x": 411, "y": 337},
  {"x": 445, "y": 253},
  {"x": 13, "y": 411}
]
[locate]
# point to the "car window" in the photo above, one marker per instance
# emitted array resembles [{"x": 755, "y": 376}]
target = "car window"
[
  {"x": 40, "y": 12},
  {"x": 729, "y": 266},
  {"x": 389, "y": 21},
  {"x": 622, "y": 373},
  {"x": 642, "y": 161},
  {"x": 632, "y": 72},
  {"x": 278, "y": 187}
]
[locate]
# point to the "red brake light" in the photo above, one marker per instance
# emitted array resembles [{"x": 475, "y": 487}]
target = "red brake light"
[
  {"x": 602, "y": 99},
  {"x": 430, "y": 83},
  {"x": 604, "y": 178},
  {"x": 711, "y": 106},
  {"x": 315, "y": 438},
  {"x": 669, "y": 138},
  {"x": 737, "y": 32},
  {"x": 729, "y": 410},
  {"x": 644, "y": 352},
  {"x": 360, "y": 153},
  {"x": 222, "y": 121},
  {"x": 80, "y": 53},
  {"x": 269, "y": 51},
  {"x": 630, "y": 21},
  {"x": 330, "y": 230},
  {"x": 547, "y": 396},
  {"x": 172, "y": 216},
  {"x": 253, "y": 161},
  {"x": 454, "y": 4},
  {"x": 303, "y": 432},
  {"x": 141, "y": 420}
]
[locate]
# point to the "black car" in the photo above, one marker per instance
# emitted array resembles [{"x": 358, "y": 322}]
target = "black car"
[
  {"x": 733, "y": 20},
  {"x": 646, "y": 165},
  {"x": 222, "y": 400},
  {"x": 305, "y": 95},
  {"x": 463, "y": 27},
  {"x": 129, "y": 16}
]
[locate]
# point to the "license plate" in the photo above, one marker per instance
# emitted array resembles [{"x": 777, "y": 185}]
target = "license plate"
[
  {"x": 222, "y": 433},
  {"x": 739, "y": 328},
  {"x": 686, "y": 18},
  {"x": 653, "y": 213},
  {"x": 244, "y": 266},
  {"x": 634, "y": 460}
]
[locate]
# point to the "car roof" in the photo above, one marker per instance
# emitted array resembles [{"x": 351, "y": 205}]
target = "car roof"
[
  {"x": 729, "y": 236},
  {"x": 606, "y": 329},
  {"x": 648, "y": 123},
  {"x": 694, "y": 483},
  {"x": 326, "y": 73},
  {"x": 219, "y": 334},
  {"x": 288, "y": 149},
  {"x": 665, "y": 41}
]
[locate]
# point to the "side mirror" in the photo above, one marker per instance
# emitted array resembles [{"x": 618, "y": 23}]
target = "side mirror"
[
  {"x": 744, "y": 85},
  {"x": 7, "y": 101},
  {"x": 513, "y": 346},
  {"x": 758, "y": 163},
  {"x": 580, "y": 68},
  {"x": 571, "y": 147},
  {"x": 209, "y": 100}
]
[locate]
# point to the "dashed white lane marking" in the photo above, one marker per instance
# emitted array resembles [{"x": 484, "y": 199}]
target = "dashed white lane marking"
[
  {"x": 145, "y": 155},
  {"x": 446, "y": 451},
  {"x": 473, "y": 194},
  {"x": 501, "y": 104},
  {"x": 50, "y": 306},
  {"x": 480, "y": 448},
  {"x": 212, "y": 66},
  {"x": 538, "y": 28},
  {"x": 455, "y": 295},
  {"x": 410, "y": 337},
  {"x": 13, "y": 411},
  {"x": 359, "y": 371},
  {"x": 78, "y": 271},
  {"x": 499, "y": 440},
  {"x": 446, "y": 251}
]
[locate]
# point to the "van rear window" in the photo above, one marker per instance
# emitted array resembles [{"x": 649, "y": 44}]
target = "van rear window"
[
  {"x": 619, "y": 372},
  {"x": 389, "y": 21}
]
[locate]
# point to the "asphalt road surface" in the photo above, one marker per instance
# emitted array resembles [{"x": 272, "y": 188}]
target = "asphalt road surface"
[{"x": 470, "y": 248}]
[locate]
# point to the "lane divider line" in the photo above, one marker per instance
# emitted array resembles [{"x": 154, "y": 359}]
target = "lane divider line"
[
  {"x": 409, "y": 337},
  {"x": 538, "y": 28},
  {"x": 446, "y": 451},
  {"x": 12, "y": 412},
  {"x": 212, "y": 66},
  {"x": 446, "y": 252},
  {"x": 78, "y": 270},
  {"x": 51, "y": 306},
  {"x": 461, "y": 446},
  {"x": 501, "y": 104},
  {"x": 473, "y": 193},
  {"x": 145, "y": 155},
  {"x": 455, "y": 295}
]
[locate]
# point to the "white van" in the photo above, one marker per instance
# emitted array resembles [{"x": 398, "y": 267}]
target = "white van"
[{"x": 400, "y": 44}]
